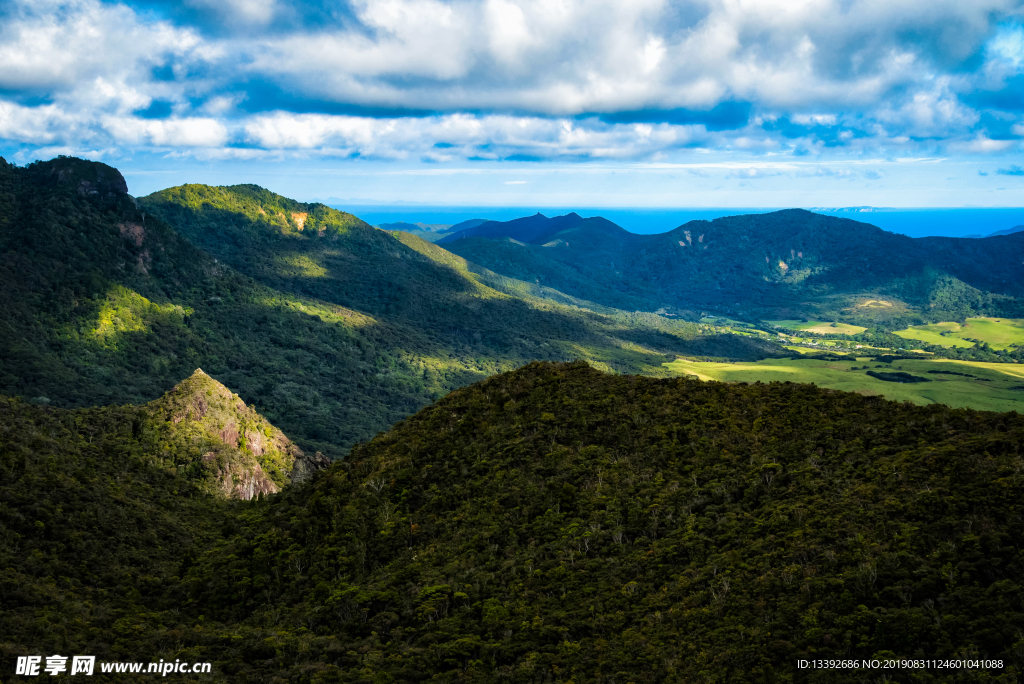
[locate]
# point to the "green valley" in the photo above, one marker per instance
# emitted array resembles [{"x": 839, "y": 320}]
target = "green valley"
[
  {"x": 966, "y": 384},
  {"x": 998, "y": 333}
]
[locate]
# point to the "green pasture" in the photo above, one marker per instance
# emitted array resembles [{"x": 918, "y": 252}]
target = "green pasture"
[
  {"x": 999, "y": 333},
  {"x": 990, "y": 389},
  {"x": 820, "y": 327}
]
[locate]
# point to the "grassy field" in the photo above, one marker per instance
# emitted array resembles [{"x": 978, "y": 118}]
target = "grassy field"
[
  {"x": 1000, "y": 333},
  {"x": 989, "y": 390},
  {"x": 820, "y": 327}
]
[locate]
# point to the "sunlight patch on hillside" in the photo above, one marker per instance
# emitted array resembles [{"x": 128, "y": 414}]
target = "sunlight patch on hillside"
[
  {"x": 301, "y": 265},
  {"x": 124, "y": 311}
]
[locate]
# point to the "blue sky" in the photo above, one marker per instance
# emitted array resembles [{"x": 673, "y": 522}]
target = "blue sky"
[{"x": 544, "y": 103}]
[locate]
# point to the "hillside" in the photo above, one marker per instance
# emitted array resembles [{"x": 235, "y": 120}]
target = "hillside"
[
  {"x": 779, "y": 265},
  {"x": 436, "y": 299},
  {"x": 102, "y": 509},
  {"x": 558, "y": 524},
  {"x": 104, "y": 303},
  {"x": 332, "y": 329}
]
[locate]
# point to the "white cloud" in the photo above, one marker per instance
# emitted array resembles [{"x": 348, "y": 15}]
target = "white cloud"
[
  {"x": 492, "y": 137},
  {"x": 188, "y": 132},
  {"x": 986, "y": 145},
  {"x": 508, "y": 77},
  {"x": 56, "y": 46}
]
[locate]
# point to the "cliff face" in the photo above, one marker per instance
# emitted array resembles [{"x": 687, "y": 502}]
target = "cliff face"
[
  {"x": 306, "y": 465},
  {"x": 241, "y": 451}
]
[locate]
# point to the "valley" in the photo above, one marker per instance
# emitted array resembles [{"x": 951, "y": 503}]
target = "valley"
[{"x": 963, "y": 384}]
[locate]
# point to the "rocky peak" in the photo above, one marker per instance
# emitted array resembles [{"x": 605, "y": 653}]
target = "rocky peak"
[{"x": 241, "y": 451}]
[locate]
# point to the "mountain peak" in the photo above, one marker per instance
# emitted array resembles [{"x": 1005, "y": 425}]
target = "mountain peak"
[
  {"x": 89, "y": 178},
  {"x": 243, "y": 453}
]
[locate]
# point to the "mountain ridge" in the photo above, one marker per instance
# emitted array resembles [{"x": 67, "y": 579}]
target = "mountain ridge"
[{"x": 766, "y": 264}]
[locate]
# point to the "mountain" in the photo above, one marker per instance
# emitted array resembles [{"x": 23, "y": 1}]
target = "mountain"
[
  {"x": 423, "y": 297},
  {"x": 242, "y": 452},
  {"x": 1008, "y": 231},
  {"x": 463, "y": 225},
  {"x": 546, "y": 524},
  {"x": 332, "y": 329},
  {"x": 430, "y": 232},
  {"x": 104, "y": 303},
  {"x": 536, "y": 229},
  {"x": 778, "y": 264},
  {"x": 103, "y": 509}
]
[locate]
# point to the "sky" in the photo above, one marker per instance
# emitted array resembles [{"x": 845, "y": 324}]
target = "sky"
[{"x": 554, "y": 103}]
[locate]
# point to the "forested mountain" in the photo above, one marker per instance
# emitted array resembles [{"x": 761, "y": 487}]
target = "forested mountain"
[
  {"x": 551, "y": 524},
  {"x": 777, "y": 265},
  {"x": 332, "y": 329}
]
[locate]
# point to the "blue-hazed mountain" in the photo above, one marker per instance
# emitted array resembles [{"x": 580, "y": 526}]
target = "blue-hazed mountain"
[
  {"x": 776, "y": 264},
  {"x": 430, "y": 232},
  {"x": 1008, "y": 231},
  {"x": 536, "y": 229}
]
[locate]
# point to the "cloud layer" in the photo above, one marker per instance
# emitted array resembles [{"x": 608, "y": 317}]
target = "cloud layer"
[{"x": 535, "y": 79}]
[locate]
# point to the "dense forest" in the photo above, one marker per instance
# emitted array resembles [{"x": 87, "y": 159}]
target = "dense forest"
[
  {"x": 777, "y": 265},
  {"x": 551, "y": 524}
]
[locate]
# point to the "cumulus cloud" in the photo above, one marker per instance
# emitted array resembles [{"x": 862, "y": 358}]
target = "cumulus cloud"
[{"x": 450, "y": 79}]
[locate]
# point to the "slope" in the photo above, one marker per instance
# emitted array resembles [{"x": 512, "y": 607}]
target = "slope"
[
  {"x": 334, "y": 331},
  {"x": 104, "y": 304},
  {"x": 439, "y": 304},
  {"x": 779, "y": 264},
  {"x": 1008, "y": 231},
  {"x": 103, "y": 509},
  {"x": 559, "y": 524}
]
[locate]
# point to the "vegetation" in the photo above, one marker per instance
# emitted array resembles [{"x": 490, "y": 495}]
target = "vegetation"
[
  {"x": 332, "y": 329},
  {"x": 781, "y": 265},
  {"x": 551, "y": 524},
  {"x": 981, "y": 386},
  {"x": 999, "y": 333},
  {"x": 819, "y": 327},
  {"x": 925, "y": 339}
]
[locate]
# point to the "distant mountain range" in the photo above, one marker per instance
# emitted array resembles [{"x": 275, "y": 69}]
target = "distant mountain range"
[
  {"x": 777, "y": 264},
  {"x": 430, "y": 232}
]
